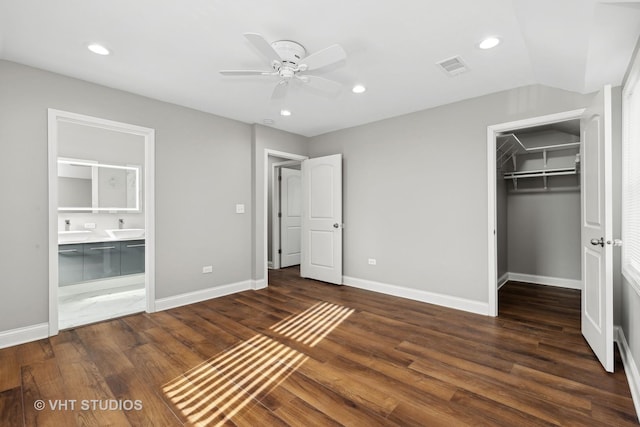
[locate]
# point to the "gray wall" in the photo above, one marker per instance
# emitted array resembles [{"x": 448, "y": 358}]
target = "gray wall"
[
  {"x": 415, "y": 190},
  {"x": 544, "y": 234},
  {"x": 203, "y": 168}
]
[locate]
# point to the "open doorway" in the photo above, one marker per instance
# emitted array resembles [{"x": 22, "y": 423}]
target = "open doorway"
[
  {"x": 101, "y": 219},
  {"x": 284, "y": 214},
  {"x": 534, "y": 167},
  {"x": 274, "y": 161}
]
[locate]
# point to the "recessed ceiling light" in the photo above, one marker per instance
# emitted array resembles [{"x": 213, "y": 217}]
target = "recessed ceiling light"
[
  {"x": 98, "y": 49},
  {"x": 489, "y": 43},
  {"x": 285, "y": 113},
  {"x": 358, "y": 89}
]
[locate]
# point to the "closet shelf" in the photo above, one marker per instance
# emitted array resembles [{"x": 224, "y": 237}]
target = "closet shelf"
[
  {"x": 541, "y": 172},
  {"x": 509, "y": 146}
]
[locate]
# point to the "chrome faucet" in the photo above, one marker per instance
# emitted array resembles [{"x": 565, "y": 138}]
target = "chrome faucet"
[
  {"x": 67, "y": 224},
  {"x": 121, "y": 223}
]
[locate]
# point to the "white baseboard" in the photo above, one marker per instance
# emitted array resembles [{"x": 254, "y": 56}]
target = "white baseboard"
[
  {"x": 477, "y": 307},
  {"x": 630, "y": 367},
  {"x": 546, "y": 280},
  {"x": 258, "y": 284},
  {"x": 23, "y": 335},
  {"x": 503, "y": 279},
  {"x": 202, "y": 295},
  {"x": 270, "y": 264}
]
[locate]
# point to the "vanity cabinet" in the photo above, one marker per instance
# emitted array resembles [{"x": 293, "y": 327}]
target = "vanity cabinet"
[
  {"x": 70, "y": 264},
  {"x": 82, "y": 262},
  {"x": 101, "y": 260},
  {"x": 132, "y": 257}
]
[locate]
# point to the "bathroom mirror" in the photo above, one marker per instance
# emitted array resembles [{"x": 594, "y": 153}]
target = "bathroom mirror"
[{"x": 89, "y": 186}]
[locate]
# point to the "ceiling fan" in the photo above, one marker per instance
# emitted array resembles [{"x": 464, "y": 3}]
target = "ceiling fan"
[{"x": 289, "y": 61}]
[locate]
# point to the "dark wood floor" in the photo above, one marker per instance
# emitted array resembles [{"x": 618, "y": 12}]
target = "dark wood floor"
[{"x": 304, "y": 353}]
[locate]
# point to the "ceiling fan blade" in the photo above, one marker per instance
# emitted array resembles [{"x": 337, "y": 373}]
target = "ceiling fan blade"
[
  {"x": 247, "y": 73},
  {"x": 264, "y": 47},
  {"x": 324, "y": 57},
  {"x": 280, "y": 91},
  {"x": 321, "y": 84}
]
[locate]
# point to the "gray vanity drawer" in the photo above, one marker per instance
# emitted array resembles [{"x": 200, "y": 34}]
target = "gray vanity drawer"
[
  {"x": 132, "y": 257},
  {"x": 101, "y": 260},
  {"x": 70, "y": 264}
]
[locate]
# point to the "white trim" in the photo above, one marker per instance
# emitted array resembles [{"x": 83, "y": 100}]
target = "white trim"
[
  {"x": 270, "y": 265},
  {"x": 202, "y": 295},
  {"x": 258, "y": 284},
  {"x": 492, "y": 242},
  {"x": 56, "y": 116},
  {"x": 22, "y": 335},
  {"x": 265, "y": 217},
  {"x": 545, "y": 280},
  {"x": 503, "y": 280},
  {"x": 630, "y": 367},
  {"x": 457, "y": 303}
]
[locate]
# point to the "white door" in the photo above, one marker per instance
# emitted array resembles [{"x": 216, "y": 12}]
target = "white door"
[
  {"x": 322, "y": 219},
  {"x": 597, "y": 251},
  {"x": 290, "y": 216}
]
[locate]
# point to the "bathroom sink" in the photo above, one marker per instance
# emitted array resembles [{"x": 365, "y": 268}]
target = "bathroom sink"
[
  {"x": 125, "y": 233},
  {"x": 73, "y": 236}
]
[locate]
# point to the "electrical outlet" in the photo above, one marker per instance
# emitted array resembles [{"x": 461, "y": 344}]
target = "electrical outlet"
[
  {"x": 372, "y": 261},
  {"x": 207, "y": 269},
  {"x": 90, "y": 225}
]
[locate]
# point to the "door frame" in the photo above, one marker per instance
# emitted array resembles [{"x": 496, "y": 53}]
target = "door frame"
[
  {"x": 275, "y": 204},
  {"x": 57, "y": 116},
  {"x": 265, "y": 220},
  {"x": 492, "y": 239}
]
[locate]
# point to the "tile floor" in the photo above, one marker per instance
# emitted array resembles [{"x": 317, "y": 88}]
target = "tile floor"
[{"x": 89, "y": 307}]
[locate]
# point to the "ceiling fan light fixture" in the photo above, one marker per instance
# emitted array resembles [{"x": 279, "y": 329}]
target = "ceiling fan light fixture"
[
  {"x": 285, "y": 113},
  {"x": 98, "y": 49},
  {"x": 358, "y": 89},
  {"x": 489, "y": 43}
]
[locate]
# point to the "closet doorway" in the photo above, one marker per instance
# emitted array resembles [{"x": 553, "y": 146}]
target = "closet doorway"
[{"x": 534, "y": 202}]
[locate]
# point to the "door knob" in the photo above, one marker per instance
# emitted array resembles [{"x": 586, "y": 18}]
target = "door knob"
[
  {"x": 336, "y": 225},
  {"x": 596, "y": 242}
]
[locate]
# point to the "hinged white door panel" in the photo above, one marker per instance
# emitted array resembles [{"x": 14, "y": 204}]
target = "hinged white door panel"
[
  {"x": 597, "y": 255},
  {"x": 322, "y": 219}
]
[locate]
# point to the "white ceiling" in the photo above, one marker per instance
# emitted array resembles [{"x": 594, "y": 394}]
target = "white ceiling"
[{"x": 172, "y": 50}]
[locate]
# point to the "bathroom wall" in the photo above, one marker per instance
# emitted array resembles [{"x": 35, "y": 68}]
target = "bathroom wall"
[{"x": 89, "y": 143}]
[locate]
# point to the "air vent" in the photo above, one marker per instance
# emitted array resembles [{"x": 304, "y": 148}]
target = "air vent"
[{"x": 453, "y": 66}]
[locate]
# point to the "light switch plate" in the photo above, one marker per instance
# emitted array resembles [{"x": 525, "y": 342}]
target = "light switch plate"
[{"x": 239, "y": 209}]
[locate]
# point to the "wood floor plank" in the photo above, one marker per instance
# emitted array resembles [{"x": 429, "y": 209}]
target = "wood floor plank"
[
  {"x": 11, "y": 411},
  {"x": 307, "y": 353},
  {"x": 9, "y": 369}
]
